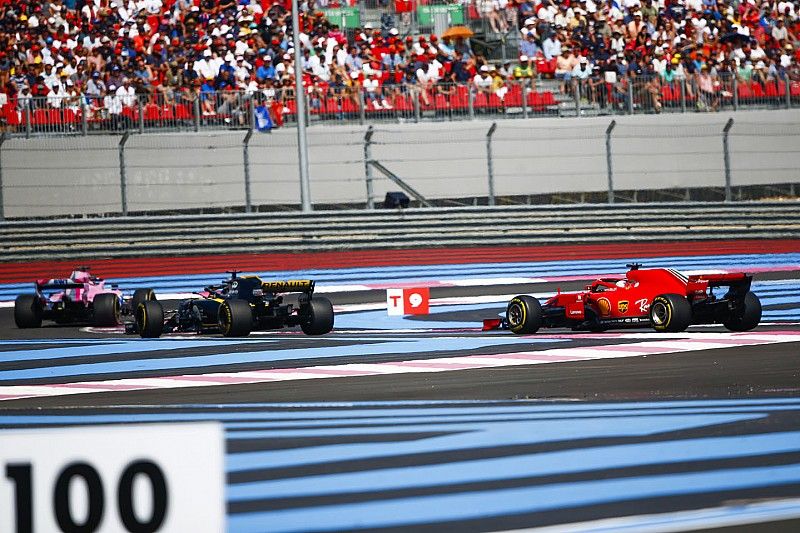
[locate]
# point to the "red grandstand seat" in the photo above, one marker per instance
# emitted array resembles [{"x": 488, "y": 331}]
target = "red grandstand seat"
[
  {"x": 744, "y": 91},
  {"x": 666, "y": 94},
  {"x": 548, "y": 98},
  {"x": 12, "y": 116},
  {"x": 331, "y": 105},
  {"x": 481, "y": 101},
  {"x": 182, "y": 112},
  {"x": 776, "y": 88},
  {"x": 514, "y": 96},
  {"x": 403, "y": 103},
  {"x": 348, "y": 106},
  {"x": 794, "y": 88},
  {"x": 71, "y": 117},
  {"x": 758, "y": 90},
  {"x": 130, "y": 113},
  {"x": 460, "y": 99},
  {"x": 152, "y": 112},
  {"x": 426, "y": 107},
  {"x": 40, "y": 117},
  {"x": 495, "y": 102},
  {"x": 441, "y": 102}
]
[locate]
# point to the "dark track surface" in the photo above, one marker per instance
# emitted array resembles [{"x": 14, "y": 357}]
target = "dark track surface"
[
  {"x": 740, "y": 372},
  {"x": 708, "y": 377}
]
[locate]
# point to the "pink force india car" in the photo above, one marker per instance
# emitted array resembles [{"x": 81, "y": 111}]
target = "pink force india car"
[
  {"x": 661, "y": 298},
  {"x": 81, "y": 298}
]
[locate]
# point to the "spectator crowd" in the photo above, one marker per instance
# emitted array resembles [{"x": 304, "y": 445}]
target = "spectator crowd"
[{"x": 104, "y": 57}]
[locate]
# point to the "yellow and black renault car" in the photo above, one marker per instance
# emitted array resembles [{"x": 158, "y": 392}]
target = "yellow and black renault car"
[{"x": 238, "y": 306}]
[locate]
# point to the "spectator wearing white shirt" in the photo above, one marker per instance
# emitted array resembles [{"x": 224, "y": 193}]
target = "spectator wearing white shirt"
[{"x": 126, "y": 94}]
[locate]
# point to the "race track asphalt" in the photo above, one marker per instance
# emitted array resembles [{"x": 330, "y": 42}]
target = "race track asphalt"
[{"x": 403, "y": 450}]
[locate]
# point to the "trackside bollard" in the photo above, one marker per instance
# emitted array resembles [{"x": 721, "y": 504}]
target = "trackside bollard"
[
  {"x": 727, "y": 158},
  {"x": 123, "y": 186},
  {"x": 489, "y": 162},
  {"x": 368, "y": 167},
  {"x": 609, "y": 165}
]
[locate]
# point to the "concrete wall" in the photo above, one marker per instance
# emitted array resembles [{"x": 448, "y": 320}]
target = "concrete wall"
[{"x": 52, "y": 176}]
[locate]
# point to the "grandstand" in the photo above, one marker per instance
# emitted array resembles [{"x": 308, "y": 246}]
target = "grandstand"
[{"x": 108, "y": 65}]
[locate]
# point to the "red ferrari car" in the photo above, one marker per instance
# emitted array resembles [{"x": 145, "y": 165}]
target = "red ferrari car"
[{"x": 661, "y": 298}]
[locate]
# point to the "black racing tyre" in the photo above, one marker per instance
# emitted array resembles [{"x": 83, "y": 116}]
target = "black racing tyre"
[
  {"x": 235, "y": 318},
  {"x": 748, "y": 316},
  {"x": 106, "y": 309},
  {"x": 142, "y": 295},
  {"x": 670, "y": 313},
  {"x": 28, "y": 311},
  {"x": 149, "y": 317},
  {"x": 319, "y": 317},
  {"x": 524, "y": 314}
]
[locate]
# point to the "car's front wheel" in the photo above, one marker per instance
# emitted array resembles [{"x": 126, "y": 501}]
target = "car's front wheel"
[
  {"x": 106, "y": 309},
  {"x": 524, "y": 314}
]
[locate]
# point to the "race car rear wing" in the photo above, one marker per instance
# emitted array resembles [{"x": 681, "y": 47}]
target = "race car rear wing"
[
  {"x": 58, "y": 286},
  {"x": 292, "y": 285},
  {"x": 737, "y": 279}
]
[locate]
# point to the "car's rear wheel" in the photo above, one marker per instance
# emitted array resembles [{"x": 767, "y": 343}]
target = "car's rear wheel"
[
  {"x": 747, "y": 317},
  {"x": 106, "y": 309},
  {"x": 670, "y": 313},
  {"x": 28, "y": 311},
  {"x": 142, "y": 295},
  {"x": 524, "y": 314},
  {"x": 319, "y": 317},
  {"x": 149, "y": 317},
  {"x": 235, "y": 318}
]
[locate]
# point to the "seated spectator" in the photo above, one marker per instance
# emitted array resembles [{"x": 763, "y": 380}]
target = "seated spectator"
[{"x": 483, "y": 81}]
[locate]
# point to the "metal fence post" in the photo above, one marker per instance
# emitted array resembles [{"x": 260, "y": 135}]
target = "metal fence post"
[
  {"x": 735, "y": 93},
  {"x": 123, "y": 185},
  {"x": 2, "y": 211},
  {"x": 28, "y": 120},
  {"x": 417, "y": 111},
  {"x": 248, "y": 206},
  {"x": 84, "y": 118},
  {"x": 489, "y": 162},
  {"x": 788, "y": 83},
  {"x": 368, "y": 167},
  {"x": 196, "y": 111},
  {"x": 361, "y": 111},
  {"x": 683, "y": 95},
  {"x": 577, "y": 95},
  {"x": 609, "y": 165},
  {"x": 141, "y": 114},
  {"x": 726, "y": 155},
  {"x": 630, "y": 96},
  {"x": 525, "y": 98},
  {"x": 471, "y": 102}
]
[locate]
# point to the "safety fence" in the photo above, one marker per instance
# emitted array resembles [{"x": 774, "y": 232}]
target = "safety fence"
[
  {"x": 207, "y": 110},
  {"x": 412, "y": 228},
  {"x": 709, "y": 157}
]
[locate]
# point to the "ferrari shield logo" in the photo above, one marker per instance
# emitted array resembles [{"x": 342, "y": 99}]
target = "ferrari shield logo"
[{"x": 622, "y": 306}]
